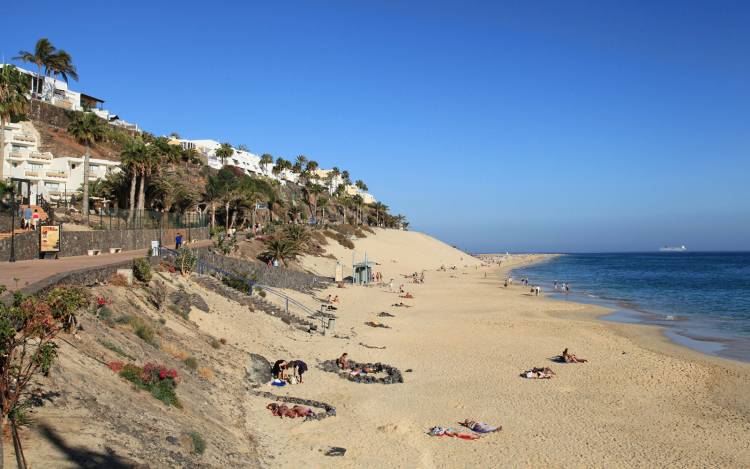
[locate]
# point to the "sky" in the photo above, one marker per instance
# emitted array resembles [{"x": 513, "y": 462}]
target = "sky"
[{"x": 495, "y": 126}]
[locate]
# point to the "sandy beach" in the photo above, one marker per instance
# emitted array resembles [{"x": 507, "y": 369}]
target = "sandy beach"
[{"x": 639, "y": 402}]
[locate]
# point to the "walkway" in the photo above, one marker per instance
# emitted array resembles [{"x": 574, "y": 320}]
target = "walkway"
[{"x": 32, "y": 271}]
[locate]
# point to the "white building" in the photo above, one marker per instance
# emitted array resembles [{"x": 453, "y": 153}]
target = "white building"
[
  {"x": 250, "y": 163},
  {"x": 56, "y": 92},
  {"x": 50, "y": 177}
]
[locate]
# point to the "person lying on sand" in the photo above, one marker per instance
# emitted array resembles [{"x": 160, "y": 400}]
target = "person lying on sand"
[
  {"x": 407, "y": 295},
  {"x": 480, "y": 427},
  {"x": 538, "y": 373},
  {"x": 343, "y": 361},
  {"x": 377, "y": 324},
  {"x": 282, "y": 410},
  {"x": 335, "y": 299},
  {"x": 440, "y": 431},
  {"x": 383, "y": 314},
  {"x": 401, "y": 305},
  {"x": 568, "y": 357}
]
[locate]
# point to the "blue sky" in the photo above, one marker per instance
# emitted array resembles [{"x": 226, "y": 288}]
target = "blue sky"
[{"x": 520, "y": 126}]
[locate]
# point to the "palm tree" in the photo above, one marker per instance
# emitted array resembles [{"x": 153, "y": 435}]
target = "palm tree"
[
  {"x": 170, "y": 190},
  {"x": 282, "y": 249},
  {"x": 265, "y": 160},
  {"x": 61, "y": 64},
  {"x": 299, "y": 164},
  {"x": 13, "y": 102},
  {"x": 345, "y": 177},
  {"x": 380, "y": 208},
  {"x": 87, "y": 129},
  {"x": 224, "y": 151},
  {"x": 313, "y": 191},
  {"x": 53, "y": 61},
  {"x": 131, "y": 158},
  {"x": 361, "y": 185}
]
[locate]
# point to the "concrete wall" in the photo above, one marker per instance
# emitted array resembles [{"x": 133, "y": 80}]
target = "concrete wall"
[{"x": 77, "y": 243}]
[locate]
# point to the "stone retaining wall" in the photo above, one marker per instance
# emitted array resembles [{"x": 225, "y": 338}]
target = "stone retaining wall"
[
  {"x": 393, "y": 373},
  {"x": 329, "y": 410},
  {"x": 77, "y": 243},
  {"x": 278, "y": 277}
]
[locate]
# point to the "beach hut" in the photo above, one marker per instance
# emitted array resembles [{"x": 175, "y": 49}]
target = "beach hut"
[{"x": 363, "y": 272}]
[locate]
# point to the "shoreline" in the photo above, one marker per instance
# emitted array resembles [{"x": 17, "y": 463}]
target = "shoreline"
[{"x": 624, "y": 311}]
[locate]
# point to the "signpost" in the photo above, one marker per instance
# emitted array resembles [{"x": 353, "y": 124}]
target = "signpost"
[{"x": 49, "y": 239}]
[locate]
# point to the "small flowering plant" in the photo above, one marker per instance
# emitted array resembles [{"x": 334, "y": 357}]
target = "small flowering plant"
[
  {"x": 156, "y": 374},
  {"x": 102, "y": 301}
]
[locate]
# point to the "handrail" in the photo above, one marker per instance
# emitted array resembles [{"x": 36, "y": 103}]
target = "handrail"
[{"x": 203, "y": 266}]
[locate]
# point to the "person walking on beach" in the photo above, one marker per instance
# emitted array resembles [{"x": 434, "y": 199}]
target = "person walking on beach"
[{"x": 390, "y": 286}]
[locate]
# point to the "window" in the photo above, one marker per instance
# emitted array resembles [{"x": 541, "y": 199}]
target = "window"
[
  {"x": 93, "y": 167},
  {"x": 35, "y": 166},
  {"x": 73, "y": 165},
  {"x": 53, "y": 186}
]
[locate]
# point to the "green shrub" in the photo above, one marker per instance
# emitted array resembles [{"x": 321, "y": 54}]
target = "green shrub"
[
  {"x": 215, "y": 343},
  {"x": 199, "y": 444},
  {"x": 186, "y": 260},
  {"x": 105, "y": 313},
  {"x": 165, "y": 393},
  {"x": 142, "y": 269},
  {"x": 134, "y": 374},
  {"x": 113, "y": 347},
  {"x": 144, "y": 331},
  {"x": 191, "y": 363},
  {"x": 124, "y": 319}
]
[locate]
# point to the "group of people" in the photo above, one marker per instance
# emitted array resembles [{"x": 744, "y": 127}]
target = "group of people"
[
  {"x": 289, "y": 370},
  {"x": 377, "y": 277},
  {"x": 30, "y": 218},
  {"x": 546, "y": 372},
  {"x": 416, "y": 277},
  {"x": 563, "y": 287}
]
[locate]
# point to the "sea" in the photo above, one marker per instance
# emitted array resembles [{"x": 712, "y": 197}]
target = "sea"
[{"x": 701, "y": 299}]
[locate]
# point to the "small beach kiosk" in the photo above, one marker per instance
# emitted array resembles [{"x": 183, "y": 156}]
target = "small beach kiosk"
[{"x": 362, "y": 272}]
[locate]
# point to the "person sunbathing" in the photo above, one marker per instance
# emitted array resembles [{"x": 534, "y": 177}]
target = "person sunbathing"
[
  {"x": 377, "y": 324},
  {"x": 480, "y": 427},
  {"x": 343, "y": 361},
  {"x": 335, "y": 299},
  {"x": 568, "y": 357},
  {"x": 328, "y": 300},
  {"x": 401, "y": 305},
  {"x": 407, "y": 295},
  {"x": 282, "y": 410},
  {"x": 538, "y": 373}
]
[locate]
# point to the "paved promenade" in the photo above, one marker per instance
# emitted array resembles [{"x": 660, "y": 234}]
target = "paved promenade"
[{"x": 32, "y": 271}]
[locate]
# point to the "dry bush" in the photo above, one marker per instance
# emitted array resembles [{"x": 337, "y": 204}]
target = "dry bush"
[
  {"x": 340, "y": 238},
  {"x": 175, "y": 351},
  {"x": 118, "y": 280},
  {"x": 206, "y": 373}
]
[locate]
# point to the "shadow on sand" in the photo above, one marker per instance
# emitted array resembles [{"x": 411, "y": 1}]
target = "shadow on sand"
[{"x": 85, "y": 458}]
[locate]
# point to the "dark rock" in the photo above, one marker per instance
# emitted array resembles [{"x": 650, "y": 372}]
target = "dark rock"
[
  {"x": 335, "y": 451},
  {"x": 173, "y": 440},
  {"x": 258, "y": 369}
]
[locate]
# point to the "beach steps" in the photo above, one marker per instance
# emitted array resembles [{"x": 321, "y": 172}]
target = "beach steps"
[{"x": 255, "y": 302}]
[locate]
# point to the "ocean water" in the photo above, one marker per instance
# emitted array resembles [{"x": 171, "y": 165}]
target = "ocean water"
[{"x": 702, "y": 299}]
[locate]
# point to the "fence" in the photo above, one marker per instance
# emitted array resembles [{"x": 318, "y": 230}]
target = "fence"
[
  {"x": 289, "y": 304},
  {"x": 118, "y": 219}
]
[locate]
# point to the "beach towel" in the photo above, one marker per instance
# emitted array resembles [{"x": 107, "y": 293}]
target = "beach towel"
[{"x": 278, "y": 382}]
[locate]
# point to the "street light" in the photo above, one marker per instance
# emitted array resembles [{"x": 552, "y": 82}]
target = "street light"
[{"x": 12, "y": 257}]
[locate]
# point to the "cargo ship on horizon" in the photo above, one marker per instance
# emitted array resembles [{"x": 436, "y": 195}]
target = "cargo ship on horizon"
[{"x": 681, "y": 248}]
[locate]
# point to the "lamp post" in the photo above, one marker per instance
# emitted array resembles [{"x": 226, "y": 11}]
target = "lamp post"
[{"x": 12, "y": 257}]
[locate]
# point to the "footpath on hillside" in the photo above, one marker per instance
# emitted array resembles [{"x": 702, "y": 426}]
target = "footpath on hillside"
[{"x": 24, "y": 273}]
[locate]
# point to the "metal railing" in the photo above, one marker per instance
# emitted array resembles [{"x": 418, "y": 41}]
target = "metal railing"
[{"x": 289, "y": 303}]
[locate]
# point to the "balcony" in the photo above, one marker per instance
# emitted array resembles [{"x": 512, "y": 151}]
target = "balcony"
[
  {"x": 23, "y": 139},
  {"x": 16, "y": 155},
  {"x": 57, "y": 174},
  {"x": 31, "y": 174},
  {"x": 35, "y": 155}
]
